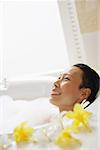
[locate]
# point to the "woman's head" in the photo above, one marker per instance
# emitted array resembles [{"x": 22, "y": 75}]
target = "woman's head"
[
  {"x": 79, "y": 83},
  {"x": 90, "y": 79}
]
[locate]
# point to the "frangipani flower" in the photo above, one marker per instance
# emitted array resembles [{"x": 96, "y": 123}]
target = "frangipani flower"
[
  {"x": 65, "y": 139},
  {"x": 23, "y": 132},
  {"x": 80, "y": 117}
]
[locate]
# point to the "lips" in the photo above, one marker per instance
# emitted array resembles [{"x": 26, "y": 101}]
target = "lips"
[{"x": 54, "y": 92}]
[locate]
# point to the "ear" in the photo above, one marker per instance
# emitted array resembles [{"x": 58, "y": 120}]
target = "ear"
[{"x": 84, "y": 94}]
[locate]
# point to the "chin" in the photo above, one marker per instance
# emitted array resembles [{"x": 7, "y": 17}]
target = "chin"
[{"x": 53, "y": 101}]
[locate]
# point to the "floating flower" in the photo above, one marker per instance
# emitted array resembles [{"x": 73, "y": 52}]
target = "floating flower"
[
  {"x": 65, "y": 139},
  {"x": 79, "y": 121},
  {"x": 80, "y": 117},
  {"x": 23, "y": 132}
]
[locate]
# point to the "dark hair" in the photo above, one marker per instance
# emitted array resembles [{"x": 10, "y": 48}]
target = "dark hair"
[{"x": 90, "y": 79}]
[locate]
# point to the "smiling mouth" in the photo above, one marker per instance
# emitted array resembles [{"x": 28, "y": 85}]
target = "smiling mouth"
[{"x": 55, "y": 93}]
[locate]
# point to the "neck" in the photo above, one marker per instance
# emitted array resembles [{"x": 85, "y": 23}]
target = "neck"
[{"x": 65, "y": 108}]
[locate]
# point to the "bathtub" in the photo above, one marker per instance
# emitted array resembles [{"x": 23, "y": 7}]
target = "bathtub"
[
  {"x": 29, "y": 89},
  {"x": 40, "y": 87}
]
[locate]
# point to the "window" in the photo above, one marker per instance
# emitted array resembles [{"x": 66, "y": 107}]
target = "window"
[{"x": 33, "y": 40}]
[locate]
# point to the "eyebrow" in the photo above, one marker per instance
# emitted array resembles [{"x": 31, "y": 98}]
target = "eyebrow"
[
  {"x": 68, "y": 74},
  {"x": 64, "y": 74}
]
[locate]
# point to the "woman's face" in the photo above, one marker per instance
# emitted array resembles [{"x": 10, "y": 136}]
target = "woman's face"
[{"x": 66, "y": 91}]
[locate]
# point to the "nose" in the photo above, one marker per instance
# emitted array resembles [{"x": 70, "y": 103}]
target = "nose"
[{"x": 57, "y": 83}]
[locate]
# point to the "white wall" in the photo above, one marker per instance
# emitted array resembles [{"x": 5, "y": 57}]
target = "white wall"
[{"x": 33, "y": 39}]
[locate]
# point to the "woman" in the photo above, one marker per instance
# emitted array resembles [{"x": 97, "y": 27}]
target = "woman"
[{"x": 80, "y": 84}]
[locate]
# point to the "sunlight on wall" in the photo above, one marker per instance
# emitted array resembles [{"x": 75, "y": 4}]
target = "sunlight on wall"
[{"x": 33, "y": 38}]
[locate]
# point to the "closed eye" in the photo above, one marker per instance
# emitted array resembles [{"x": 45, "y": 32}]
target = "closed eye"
[
  {"x": 66, "y": 78},
  {"x": 63, "y": 77}
]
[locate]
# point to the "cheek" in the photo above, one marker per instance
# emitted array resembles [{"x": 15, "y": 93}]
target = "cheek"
[
  {"x": 69, "y": 90},
  {"x": 66, "y": 88}
]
